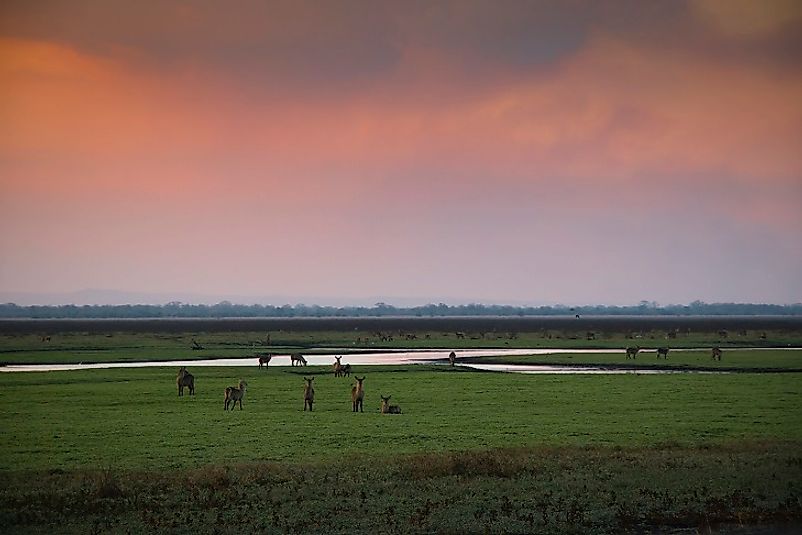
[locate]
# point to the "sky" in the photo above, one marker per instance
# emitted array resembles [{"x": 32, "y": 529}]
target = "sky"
[{"x": 573, "y": 152}]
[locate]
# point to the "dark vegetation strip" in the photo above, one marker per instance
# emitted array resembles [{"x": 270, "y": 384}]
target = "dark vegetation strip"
[
  {"x": 445, "y": 324},
  {"x": 530, "y": 490}
]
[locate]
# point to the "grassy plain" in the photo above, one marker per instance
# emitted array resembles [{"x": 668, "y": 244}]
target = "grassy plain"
[{"x": 118, "y": 450}]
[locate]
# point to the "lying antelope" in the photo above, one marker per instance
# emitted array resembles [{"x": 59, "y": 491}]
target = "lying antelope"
[
  {"x": 357, "y": 394},
  {"x": 309, "y": 393},
  {"x": 387, "y": 408},
  {"x": 715, "y": 353},
  {"x": 185, "y": 379},
  {"x": 264, "y": 360},
  {"x": 662, "y": 352},
  {"x": 297, "y": 358},
  {"x": 234, "y": 395},
  {"x": 632, "y": 352},
  {"x": 338, "y": 367}
]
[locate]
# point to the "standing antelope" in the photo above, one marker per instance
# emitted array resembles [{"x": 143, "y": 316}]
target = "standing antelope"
[
  {"x": 387, "y": 408},
  {"x": 346, "y": 371},
  {"x": 185, "y": 379},
  {"x": 264, "y": 360},
  {"x": 357, "y": 394},
  {"x": 297, "y": 358},
  {"x": 338, "y": 367},
  {"x": 632, "y": 352},
  {"x": 452, "y": 358},
  {"x": 309, "y": 393},
  {"x": 715, "y": 353},
  {"x": 235, "y": 394},
  {"x": 662, "y": 352}
]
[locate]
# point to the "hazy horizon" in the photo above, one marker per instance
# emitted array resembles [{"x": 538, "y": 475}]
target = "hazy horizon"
[{"x": 468, "y": 151}]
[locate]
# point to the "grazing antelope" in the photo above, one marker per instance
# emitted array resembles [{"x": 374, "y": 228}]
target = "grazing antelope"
[
  {"x": 309, "y": 393},
  {"x": 185, "y": 379},
  {"x": 297, "y": 358},
  {"x": 346, "y": 371},
  {"x": 662, "y": 352},
  {"x": 460, "y": 334},
  {"x": 338, "y": 367},
  {"x": 452, "y": 358},
  {"x": 264, "y": 360},
  {"x": 715, "y": 353},
  {"x": 195, "y": 345},
  {"x": 357, "y": 394},
  {"x": 387, "y": 408},
  {"x": 632, "y": 352},
  {"x": 235, "y": 394}
]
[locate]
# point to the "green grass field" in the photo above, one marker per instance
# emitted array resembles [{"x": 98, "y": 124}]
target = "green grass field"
[
  {"x": 133, "y": 418},
  {"x": 118, "y": 451}
]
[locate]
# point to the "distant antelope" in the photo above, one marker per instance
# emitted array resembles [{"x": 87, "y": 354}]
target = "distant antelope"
[
  {"x": 452, "y": 358},
  {"x": 297, "y": 358},
  {"x": 346, "y": 371},
  {"x": 723, "y": 333},
  {"x": 357, "y": 394},
  {"x": 338, "y": 367},
  {"x": 387, "y": 408},
  {"x": 309, "y": 393},
  {"x": 195, "y": 345},
  {"x": 662, "y": 352},
  {"x": 715, "y": 353},
  {"x": 460, "y": 334},
  {"x": 185, "y": 379},
  {"x": 632, "y": 352},
  {"x": 234, "y": 394},
  {"x": 264, "y": 360},
  {"x": 45, "y": 339}
]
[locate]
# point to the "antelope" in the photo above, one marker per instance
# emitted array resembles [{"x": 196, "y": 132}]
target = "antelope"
[
  {"x": 387, "y": 408},
  {"x": 195, "y": 345},
  {"x": 346, "y": 371},
  {"x": 715, "y": 353},
  {"x": 662, "y": 352},
  {"x": 185, "y": 379},
  {"x": 357, "y": 394},
  {"x": 297, "y": 357},
  {"x": 264, "y": 360},
  {"x": 235, "y": 394},
  {"x": 309, "y": 393},
  {"x": 452, "y": 358},
  {"x": 632, "y": 352},
  {"x": 338, "y": 367}
]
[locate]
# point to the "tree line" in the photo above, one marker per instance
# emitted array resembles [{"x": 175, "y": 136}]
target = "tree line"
[{"x": 226, "y": 309}]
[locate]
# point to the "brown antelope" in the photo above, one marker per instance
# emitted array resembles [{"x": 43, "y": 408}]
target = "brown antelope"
[
  {"x": 346, "y": 371},
  {"x": 452, "y": 358},
  {"x": 662, "y": 352},
  {"x": 715, "y": 353},
  {"x": 297, "y": 358},
  {"x": 632, "y": 352},
  {"x": 309, "y": 393},
  {"x": 357, "y": 394},
  {"x": 185, "y": 379},
  {"x": 387, "y": 408},
  {"x": 234, "y": 394},
  {"x": 264, "y": 360},
  {"x": 338, "y": 367}
]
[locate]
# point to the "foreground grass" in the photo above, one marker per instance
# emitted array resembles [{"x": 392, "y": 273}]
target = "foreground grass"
[
  {"x": 133, "y": 419},
  {"x": 526, "y": 490}
]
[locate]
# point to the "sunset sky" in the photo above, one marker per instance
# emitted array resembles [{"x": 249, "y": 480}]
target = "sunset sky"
[{"x": 499, "y": 152}]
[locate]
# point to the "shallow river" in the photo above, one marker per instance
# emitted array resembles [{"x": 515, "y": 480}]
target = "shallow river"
[{"x": 384, "y": 358}]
